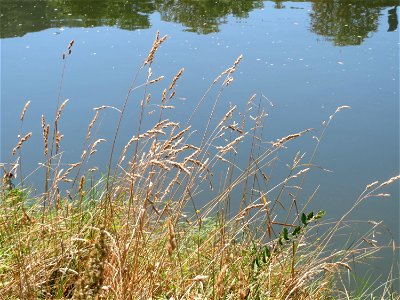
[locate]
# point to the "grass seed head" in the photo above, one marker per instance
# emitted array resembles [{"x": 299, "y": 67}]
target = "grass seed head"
[
  {"x": 21, "y": 141},
  {"x": 220, "y": 280},
  {"x": 24, "y": 110},
  {"x": 179, "y": 74},
  {"x": 62, "y": 106}
]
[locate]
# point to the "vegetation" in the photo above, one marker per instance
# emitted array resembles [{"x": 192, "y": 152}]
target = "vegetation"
[{"x": 136, "y": 231}]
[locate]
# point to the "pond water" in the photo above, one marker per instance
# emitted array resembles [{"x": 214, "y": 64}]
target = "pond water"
[{"x": 306, "y": 57}]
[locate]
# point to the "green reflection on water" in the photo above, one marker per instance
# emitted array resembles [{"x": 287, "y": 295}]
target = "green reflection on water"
[
  {"x": 342, "y": 22},
  {"x": 345, "y": 23}
]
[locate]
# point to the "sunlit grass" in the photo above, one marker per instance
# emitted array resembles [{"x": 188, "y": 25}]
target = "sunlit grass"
[{"x": 135, "y": 232}]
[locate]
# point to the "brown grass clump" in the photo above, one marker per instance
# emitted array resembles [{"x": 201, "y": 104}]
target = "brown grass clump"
[
  {"x": 176, "y": 217},
  {"x": 90, "y": 282}
]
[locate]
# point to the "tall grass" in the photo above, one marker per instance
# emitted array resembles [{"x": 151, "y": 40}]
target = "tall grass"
[{"x": 138, "y": 232}]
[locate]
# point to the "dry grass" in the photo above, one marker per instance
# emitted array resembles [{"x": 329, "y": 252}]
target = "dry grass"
[{"x": 136, "y": 233}]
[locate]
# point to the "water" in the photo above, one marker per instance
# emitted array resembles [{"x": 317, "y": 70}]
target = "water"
[{"x": 307, "y": 57}]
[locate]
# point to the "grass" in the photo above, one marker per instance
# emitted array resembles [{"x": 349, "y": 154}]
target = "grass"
[{"x": 136, "y": 231}]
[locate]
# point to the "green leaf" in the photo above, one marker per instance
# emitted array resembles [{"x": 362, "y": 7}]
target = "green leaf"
[
  {"x": 285, "y": 234},
  {"x": 319, "y": 215},
  {"x": 296, "y": 231},
  {"x": 310, "y": 216},
  {"x": 266, "y": 254},
  {"x": 255, "y": 265},
  {"x": 253, "y": 248},
  {"x": 304, "y": 218}
]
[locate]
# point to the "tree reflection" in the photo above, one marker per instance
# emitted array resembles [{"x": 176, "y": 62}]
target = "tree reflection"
[
  {"x": 204, "y": 16},
  {"x": 92, "y": 13},
  {"x": 392, "y": 19},
  {"x": 344, "y": 23},
  {"x": 279, "y": 4},
  {"x": 19, "y": 17}
]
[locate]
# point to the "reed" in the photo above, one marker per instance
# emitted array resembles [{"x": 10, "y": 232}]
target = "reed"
[{"x": 177, "y": 217}]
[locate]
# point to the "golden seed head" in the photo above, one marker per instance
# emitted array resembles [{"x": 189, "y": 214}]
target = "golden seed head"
[
  {"x": 21, "y": 141},
  {"x": 24, "y": 110}
]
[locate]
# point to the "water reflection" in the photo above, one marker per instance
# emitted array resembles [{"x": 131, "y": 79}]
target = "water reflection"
[
  {"x": 342, "y": 22},
  {"x": 204, "y": 16},
  {"x": 392, "y": 19},
  {"x": 21, "y": 17},
  {"x": 279, "y": 4},
  {"x": 346, "y": 23}
]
